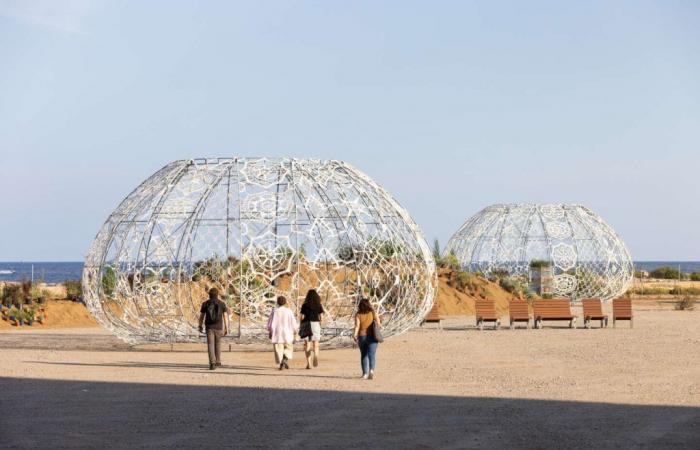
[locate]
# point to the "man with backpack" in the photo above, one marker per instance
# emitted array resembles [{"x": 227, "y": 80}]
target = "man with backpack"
[{"x": 214, "y": 315}]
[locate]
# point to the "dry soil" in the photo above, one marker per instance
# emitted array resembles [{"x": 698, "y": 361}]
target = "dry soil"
[{"x": 455, "y": 388}]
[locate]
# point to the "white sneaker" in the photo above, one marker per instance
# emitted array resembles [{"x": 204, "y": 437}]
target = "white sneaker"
[
  {"x": 364, "y": 376},
  {"x": 371, "y": 375}
]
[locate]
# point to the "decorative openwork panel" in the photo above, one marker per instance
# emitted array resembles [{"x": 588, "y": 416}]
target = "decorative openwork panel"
[
  {"x": 256, "y": 228},
  {"x": 583, "y": 255}
]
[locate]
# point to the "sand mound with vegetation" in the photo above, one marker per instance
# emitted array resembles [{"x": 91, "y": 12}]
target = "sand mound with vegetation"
[
  {"x": 59, "y": 314},
  {"x": 457, "y": 292}
]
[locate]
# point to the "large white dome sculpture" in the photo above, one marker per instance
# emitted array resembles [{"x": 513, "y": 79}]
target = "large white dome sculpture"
[
  {"x": 256, "y": 228},
  {"x": 583, "y": 254}
]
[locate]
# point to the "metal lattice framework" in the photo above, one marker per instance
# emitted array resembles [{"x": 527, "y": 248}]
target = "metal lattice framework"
[
  {"x": 586, "y": 256},
  {"x": 256, "y": 228}
]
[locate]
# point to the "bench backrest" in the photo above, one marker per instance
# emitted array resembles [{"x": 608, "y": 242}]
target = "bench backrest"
[
  {"x": 553, "y": 308},
  {"x": 486, "y": 308},
  {"x": 592, "y": 307},
  {"x": 622, "y": 307},
  {"x": 519, "y": 309},
  {"x": 434, "y": 313}
]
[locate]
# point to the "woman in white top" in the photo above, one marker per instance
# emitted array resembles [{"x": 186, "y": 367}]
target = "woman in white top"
[{"x": 282, "y": 327}]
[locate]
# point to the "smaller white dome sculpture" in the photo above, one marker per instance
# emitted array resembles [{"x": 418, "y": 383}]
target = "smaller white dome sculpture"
[{"x": 562, "y": 250}]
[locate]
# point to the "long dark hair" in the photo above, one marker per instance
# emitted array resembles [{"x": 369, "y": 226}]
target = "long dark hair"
[
  {"x": 313, "y": 300},
  {"x": 364, "y": 307}
]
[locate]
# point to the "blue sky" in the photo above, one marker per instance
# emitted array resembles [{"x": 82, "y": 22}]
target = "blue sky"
[{"x": 452, "y": 106}]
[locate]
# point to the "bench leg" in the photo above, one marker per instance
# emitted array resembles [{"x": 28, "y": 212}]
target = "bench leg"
[
  {"x": 512, "y": 324},
  {"x": 614, "y": 324},
  {"x": 480, "y": 324},
  {"x": 527, "y": 324},
  {"x": 631, "y": 323},
  {"x": 497, "y": 325},
  {"x": 587, "y": 323}
]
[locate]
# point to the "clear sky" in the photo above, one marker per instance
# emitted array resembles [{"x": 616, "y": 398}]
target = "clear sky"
[{"x": 452, "y": 106}]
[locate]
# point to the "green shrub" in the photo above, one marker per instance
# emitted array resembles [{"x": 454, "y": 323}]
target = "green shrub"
[
  {"x": 516, "y": 286},
  {"x": 509, "y": 284},
  {"x": 685, "y": 304},
  {"x": 686, "y": 291},
  {"x": 109, "y": 282},
  {"x": 436, "y": 252},
  {"x": 14, "y": 312},
  {"x": 450, "y": 261},
  {"x": 695, "y": 276},
  {"x": 12, "y": 295},
  {"x": 29, "y": 315},
  {"x": 26, "y": 289},
  {"x": 539, "y": 263},
  {"x": 666, "y": 273},
  {"x": 497, "y": 274},
  {"x": 38, "y": 294},
  {"x": 464, "y": 281},
  {"x": 74, "y": 289},
  {"x": 382, "y": 248}
]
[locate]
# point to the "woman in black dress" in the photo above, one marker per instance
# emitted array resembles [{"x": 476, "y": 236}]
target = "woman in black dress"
[{"x": 311, "y": 311}]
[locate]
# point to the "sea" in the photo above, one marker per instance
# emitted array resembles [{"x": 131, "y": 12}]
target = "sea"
[{"x": 58, "y": 272}]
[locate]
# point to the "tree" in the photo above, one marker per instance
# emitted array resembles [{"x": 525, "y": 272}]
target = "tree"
[
  {"x": 666, "y": 273},
  {"x": 436, "y": 250}
]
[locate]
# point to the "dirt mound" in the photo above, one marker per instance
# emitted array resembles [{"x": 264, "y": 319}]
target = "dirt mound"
[
  {"x": 457, "y": 293},
  {"x": 60, "y": 314}
]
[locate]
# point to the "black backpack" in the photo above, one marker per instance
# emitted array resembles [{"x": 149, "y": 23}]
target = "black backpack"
[{"x": 213, "y": 313}]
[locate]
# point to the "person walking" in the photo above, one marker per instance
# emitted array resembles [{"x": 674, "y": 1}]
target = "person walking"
[
  {"x": 310, "y": 319},
  {"x": 282, "y": 326},
  {"x": 214, "y": 316},
  {"x": 364, "y": 319}
]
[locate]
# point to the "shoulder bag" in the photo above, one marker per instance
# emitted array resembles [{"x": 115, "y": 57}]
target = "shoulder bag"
[{"x": 376, "y": 329}]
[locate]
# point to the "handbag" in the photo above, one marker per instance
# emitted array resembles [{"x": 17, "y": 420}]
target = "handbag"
[
  {"x": 305, "y": 330},
  {"x": 376, "y": 330}
]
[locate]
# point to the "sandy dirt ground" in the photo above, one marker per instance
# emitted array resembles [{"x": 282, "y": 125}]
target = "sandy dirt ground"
[{"x": 455, "y": 388}]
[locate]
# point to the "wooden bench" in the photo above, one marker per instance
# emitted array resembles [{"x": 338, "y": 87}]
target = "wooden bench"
[
  {"x": 433, "y": 316},
  {"x": 622, "y": 310},
  {"x": 486, "y": 312},
  {"x": 558, "y": 309},
  {"x": 519, "y": 311},
  {"x": 593, "y": 310}
]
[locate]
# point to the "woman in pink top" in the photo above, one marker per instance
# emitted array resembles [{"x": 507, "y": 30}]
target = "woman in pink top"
[{"x": 282, "y": 327}]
